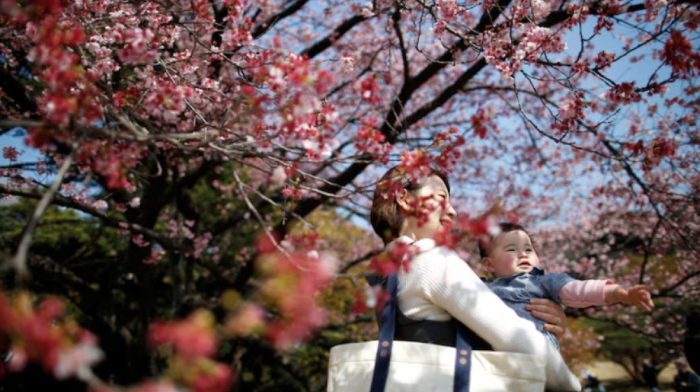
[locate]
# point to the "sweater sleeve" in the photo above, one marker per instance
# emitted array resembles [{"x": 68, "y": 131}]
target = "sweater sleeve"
[
  {"x": 584, "y": 293},
  {"x": 447, "y": 281}
]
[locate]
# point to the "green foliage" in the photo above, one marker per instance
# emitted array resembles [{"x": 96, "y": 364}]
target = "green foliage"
[
  {"x": 629, "y": 349},
  {"x": 62, "y": 233},
  {"x": 105, "y": 274}
]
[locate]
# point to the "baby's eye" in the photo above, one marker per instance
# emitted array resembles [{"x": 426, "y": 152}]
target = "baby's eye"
[
  {"x": 510, "y": 250},
  {"x": 529, "y": 250}
]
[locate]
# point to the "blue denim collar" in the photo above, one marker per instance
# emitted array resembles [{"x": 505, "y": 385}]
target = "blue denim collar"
[{"x": 536, "y": 271}]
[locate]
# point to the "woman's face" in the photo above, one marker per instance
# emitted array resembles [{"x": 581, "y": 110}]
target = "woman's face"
[{"x": 428, "y": 209}]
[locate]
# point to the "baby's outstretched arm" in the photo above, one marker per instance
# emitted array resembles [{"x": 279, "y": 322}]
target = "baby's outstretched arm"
[
  {"x": 584, "y": 293},
  {"x": 638, "y": 296}
]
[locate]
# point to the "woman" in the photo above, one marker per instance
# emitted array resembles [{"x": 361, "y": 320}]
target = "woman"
[{"x": 440, "y": 286}]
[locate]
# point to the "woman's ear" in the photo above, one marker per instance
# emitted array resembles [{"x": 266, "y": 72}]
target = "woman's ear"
[
  {"x": 489, "y": 265},
  {"x": 403, "y": 199}
]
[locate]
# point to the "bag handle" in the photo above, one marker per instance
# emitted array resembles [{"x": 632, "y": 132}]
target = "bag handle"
[{"x": 463, "y": 347}]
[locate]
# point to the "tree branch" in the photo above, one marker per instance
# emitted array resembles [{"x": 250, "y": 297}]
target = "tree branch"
[
  {"x": 396, "y": 18},
  {"x": 263, "y": 27},
  {"x": 19, "y": 260},
  {"x": 149, "y": 234},
  {"x": 674, "y": 286},
  {"x": 317, "y": 48},
  {"x": 17, "y": 92},
  {"x": 360, "y": 259}
]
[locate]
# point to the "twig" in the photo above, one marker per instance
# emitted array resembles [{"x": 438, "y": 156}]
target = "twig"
[
  {"x": 360, "y": 259},
  {"x": 255, "y": 212},
  {"x": 19, "y": 260}
]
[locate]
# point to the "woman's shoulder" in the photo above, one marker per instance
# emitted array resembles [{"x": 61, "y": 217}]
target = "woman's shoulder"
[
  {"x": 431, "y": 247},
  {"x": 425, "y": 251},
  {"x": 431, "y": 255}
]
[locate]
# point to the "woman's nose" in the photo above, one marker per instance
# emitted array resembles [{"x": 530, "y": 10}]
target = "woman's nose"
[{"x": 451, "y": 211}]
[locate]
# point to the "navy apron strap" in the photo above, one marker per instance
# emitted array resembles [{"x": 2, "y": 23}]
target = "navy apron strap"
[
  {"x": 463, "y": 359},
  {"x": 386, "y": 337},
  {"x": 463, "y": 348}
]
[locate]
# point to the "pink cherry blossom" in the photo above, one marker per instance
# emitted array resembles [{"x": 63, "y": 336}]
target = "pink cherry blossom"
[{"x": 10, "y": 153}]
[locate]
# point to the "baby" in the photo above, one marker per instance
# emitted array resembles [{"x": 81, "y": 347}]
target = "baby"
[{"x": 511, "y": 257}]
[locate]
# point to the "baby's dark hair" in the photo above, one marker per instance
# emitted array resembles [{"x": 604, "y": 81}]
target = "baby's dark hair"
[{"x": 485, "y": 245}]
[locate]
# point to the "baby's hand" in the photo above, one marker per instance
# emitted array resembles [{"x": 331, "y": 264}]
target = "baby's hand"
[{"x": 640, "y": 297}]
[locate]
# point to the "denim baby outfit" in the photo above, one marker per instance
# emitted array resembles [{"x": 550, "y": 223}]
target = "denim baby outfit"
[{"x": 517, "y": 291}]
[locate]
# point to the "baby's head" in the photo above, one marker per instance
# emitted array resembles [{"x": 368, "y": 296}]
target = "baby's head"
[{"x": 509, "y": 252}]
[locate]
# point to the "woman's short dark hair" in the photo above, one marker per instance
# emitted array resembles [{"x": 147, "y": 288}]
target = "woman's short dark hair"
[{"x": 385, "y": 216}]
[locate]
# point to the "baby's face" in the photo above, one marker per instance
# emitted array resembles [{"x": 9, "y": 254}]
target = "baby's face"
[{"x": 511, "y": 252}]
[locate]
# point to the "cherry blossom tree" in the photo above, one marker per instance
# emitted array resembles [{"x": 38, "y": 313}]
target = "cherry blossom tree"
[{"x": 201, "y": 135}]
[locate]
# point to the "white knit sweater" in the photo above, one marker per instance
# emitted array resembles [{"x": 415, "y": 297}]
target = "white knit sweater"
[{"x": 440, "y": 285}]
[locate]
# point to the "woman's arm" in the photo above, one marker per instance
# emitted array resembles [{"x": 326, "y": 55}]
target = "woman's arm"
[{"x": 449, "y": 283}]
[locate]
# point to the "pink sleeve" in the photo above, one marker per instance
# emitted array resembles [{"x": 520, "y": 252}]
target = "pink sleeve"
[{"x": 584, "y": 293}]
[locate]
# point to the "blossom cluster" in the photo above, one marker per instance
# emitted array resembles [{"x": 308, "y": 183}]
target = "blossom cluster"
[
  {"x": 532, "y": 10},
  {"x": 284, "y": 273},
  {"x": 508, "y": 58},
  {"x": 193, "y": 342},
  {"x": 680, "y": 54},
  {"x": 295, "y": 85},
  {"x": 370, "y": 140},
  {"x": 43, "y": 335},
  {"x": 416, "y": 165},
  {"x": 397, "y": 256},
  {"x": 653, "y": 152},
  {"x": 571, "y": 110},
  {"x": 71, "y": 91},
  {"x": 291, "y": 275},
  {"x": 450, "y": 146},
  {"x": 159, "y": 87},
  {"x": 625, "y": 93}
]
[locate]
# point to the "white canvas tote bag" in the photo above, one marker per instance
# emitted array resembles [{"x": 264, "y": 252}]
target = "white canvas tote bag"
[
  {"x": 399, "y": 366},
  {"x": 422, "y": 367}
]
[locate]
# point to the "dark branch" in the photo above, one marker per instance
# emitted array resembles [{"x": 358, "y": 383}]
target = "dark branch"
[
  {"x": 326, "y": 42},
  {"x": 396, "y": 18},
  {"x": 263, "y": 27},
  {"x": 360, "y": 259},
  {"x": 149, "y": 234},
  {"x": 16, "y": 91}
]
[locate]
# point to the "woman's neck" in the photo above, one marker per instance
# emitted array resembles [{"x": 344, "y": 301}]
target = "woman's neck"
[{"x": 410, "y": 235}]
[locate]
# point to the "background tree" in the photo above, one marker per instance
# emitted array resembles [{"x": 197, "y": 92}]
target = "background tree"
[
  {"x": 620, "y": 251},
  {"x": 194, "y": 139}
]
